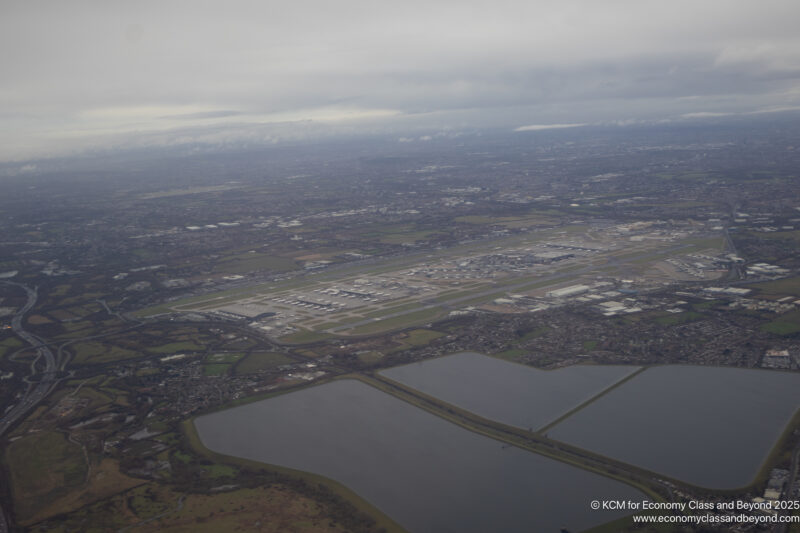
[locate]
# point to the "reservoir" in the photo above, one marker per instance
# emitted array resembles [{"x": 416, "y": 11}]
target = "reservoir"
[
  {"x": 510, "y": 393},
  {"x": 710, "y": 426},
  {"x": 426, "y": 473}
]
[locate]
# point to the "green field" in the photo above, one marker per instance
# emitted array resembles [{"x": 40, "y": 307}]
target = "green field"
[
  {"x": 94, "y": 352},
  {"x": 512, "y": 354},
  {"x": 421, "y": 337},
  {"x": 256, "y": 362},
  {"x": 96, "y": 397},
  {"x": 370, "y": 357},
  {"x": 12, "y": 342},
  {"x": 787, "y": 286},
  {"x": 508, "y": 222},
  {"x": 247, "y": 262},
  {"x": 215, "y": 369},
  {"x": 44, "y": 467},
  {"x": 81, "y": 329},
  {"x": 706, "y": 305},
  {"x": 244, "y": 509},
  {"x": 398, "y": 322},
  {"x": 793, "y": 236},
  {"x": 702, "y": 243},
  {"x": 413, "y": 338},
  {"x": 173, "y": 347},
  {"x": 10, "y": 345},
  {"x": 391, "y": 310},
  {"x": 589, "y": 345},
  {"x": 787, "y": 324},
  {"x": 397, "y": 233},
  {"x": 533, "y": 334},
  {"x": 303, "y": 337},
  {"x": 411, "y": 237},
  {"x": 325, "y": 325},
  {"x": 678, "y": 318},
  {"x": 224, "y": 357}
]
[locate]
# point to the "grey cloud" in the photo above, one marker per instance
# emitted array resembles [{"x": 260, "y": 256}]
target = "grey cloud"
[
  {"x": 202, "y": 115},
  {"x": 86, "y": 69}
]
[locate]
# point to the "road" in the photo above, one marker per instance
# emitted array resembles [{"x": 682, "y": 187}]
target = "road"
[
  {"x": 40, "y": 384},
  {"x": 737, "y": 271},
  {"x": 36, "y": 390},
  {"x": 527, "y": 440}
]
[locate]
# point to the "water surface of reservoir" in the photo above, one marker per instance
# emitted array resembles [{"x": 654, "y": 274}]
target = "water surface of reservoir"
[
  {"x": 710, "y": 426},
  {"x": 510, "y": 393},
  {"x": 427, "y": 474}
]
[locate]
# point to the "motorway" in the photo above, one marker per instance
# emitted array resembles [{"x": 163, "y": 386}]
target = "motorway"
[{"x": 36, "y": 390}]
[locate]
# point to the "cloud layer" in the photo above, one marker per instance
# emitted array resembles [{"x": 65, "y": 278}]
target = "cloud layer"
[{"x": 76, "y": 74}]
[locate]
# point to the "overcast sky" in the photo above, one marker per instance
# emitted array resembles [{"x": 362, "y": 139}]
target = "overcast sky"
[{"x": 83, "y": 74}]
